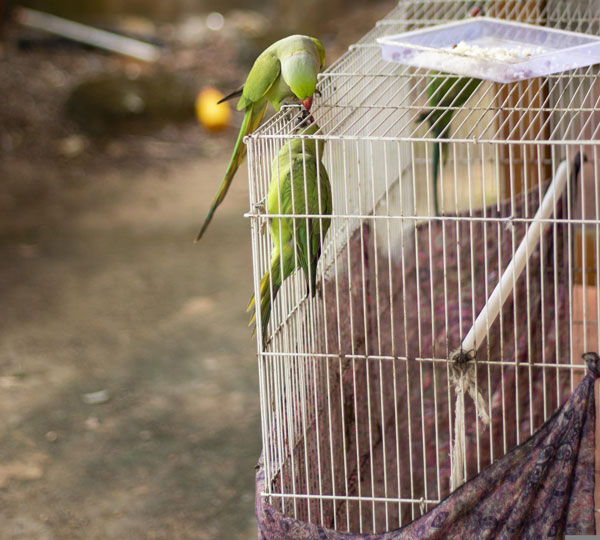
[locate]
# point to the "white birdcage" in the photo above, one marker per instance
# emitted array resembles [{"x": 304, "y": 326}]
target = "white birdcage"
[{"x": 358, "y": 391}]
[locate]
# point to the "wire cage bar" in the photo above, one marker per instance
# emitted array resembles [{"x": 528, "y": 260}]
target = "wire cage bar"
[{"x": 357, "y": 390}]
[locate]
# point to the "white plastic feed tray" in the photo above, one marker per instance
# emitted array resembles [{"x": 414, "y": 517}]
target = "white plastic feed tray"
[{"x": 492, "y": 49}]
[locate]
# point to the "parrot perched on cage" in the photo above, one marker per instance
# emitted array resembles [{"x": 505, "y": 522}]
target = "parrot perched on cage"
[
  {"x": 444, "y": 91},
  {"x": 286, "y": 69},
  {"x": 299, "y": 186}
]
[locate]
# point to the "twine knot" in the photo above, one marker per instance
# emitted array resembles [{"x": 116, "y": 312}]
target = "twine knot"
[
  {"x": 464, "y": 379},
  {"x": 460, "y": 357},
  {"x": 592, "y": 361}
]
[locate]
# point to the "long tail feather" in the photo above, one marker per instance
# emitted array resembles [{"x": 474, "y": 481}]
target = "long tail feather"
[
  {"x": 311, "y": 281},
  {"x": 234, "y": 94},
  {"x": 578, "y": 161},
  {"x": 440, "y": 151},
  {"x": 252, "y": 118},
  {"x": 308, "y": 255},
  {"x": 269, "y": 285},
  {"x": 435, "y": 163},
  {"x": 313, "y": 276}
]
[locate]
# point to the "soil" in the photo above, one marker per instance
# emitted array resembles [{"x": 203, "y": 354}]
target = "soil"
[{"x": 128, "y": 379}]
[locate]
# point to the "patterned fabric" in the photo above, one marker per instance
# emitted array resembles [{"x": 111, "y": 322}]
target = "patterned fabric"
[{"x": 543, "y": 488}]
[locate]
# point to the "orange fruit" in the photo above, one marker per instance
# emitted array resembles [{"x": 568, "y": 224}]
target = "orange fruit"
[{"x": 211, "y": 115}]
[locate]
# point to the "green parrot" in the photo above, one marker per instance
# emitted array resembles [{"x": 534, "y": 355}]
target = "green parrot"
[
  {"x": 443, "y": 91},
  {"x": 299, "y": 185},
  {"x": 287, "y": 68}
]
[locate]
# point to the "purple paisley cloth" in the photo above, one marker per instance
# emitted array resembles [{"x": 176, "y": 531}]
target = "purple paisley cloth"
[{"x": 543, "y": 488}]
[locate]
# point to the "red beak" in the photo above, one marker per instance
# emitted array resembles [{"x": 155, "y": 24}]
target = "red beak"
[
  {"x": 475, "y": 11},
  {"x": 307, "y": 103}
]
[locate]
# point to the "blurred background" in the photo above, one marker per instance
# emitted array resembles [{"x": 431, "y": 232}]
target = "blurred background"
[{"x": 128, "y": 380}]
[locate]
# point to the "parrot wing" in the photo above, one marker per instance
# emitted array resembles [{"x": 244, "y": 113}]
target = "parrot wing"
[
  {"x": 306, "y": 201},
  {"x": 262, "y": 76},
  {"x": 323, "y": 207}
]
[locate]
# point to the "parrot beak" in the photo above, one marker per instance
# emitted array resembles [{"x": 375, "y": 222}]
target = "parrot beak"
[{"x": 307, "y": 103}]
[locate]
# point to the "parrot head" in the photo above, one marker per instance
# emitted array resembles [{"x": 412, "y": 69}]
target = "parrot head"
[
  {"x": 303, "y": 120},
  {"x": 300, "y": 74},
  {"x": 306, "y": 125}
]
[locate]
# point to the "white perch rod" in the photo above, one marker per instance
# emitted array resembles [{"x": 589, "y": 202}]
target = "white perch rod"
[
  {"x": 495, "y": 302},
  {"x": 87, "y": 34}
]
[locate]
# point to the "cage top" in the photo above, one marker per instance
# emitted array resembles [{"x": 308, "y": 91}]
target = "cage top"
[{"x": 366, "y": 97}]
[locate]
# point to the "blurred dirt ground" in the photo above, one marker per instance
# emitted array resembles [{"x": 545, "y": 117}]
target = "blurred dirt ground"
[{"x": 128, "y": 381}]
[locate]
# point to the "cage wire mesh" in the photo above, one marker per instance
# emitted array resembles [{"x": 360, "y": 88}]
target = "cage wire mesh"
[{"x": 356, "y": 384}]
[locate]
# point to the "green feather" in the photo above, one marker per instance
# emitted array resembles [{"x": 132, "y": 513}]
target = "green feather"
[
  {"x": 286, "y": 69},
  {"x": 444, "y": 91},
  {"x": 299, "y": 186},
  {"x": 252, "y": 118}
]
